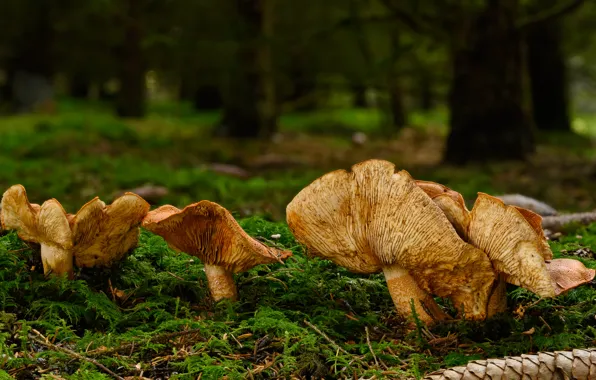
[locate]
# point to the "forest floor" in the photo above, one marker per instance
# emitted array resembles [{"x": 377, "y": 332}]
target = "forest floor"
[{"x": 151, "y": 315}]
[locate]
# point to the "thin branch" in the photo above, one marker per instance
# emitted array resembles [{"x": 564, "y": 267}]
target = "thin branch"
[
  {"x": 370, "y": 346},
  {"x": 44, "y": 341},
  {"x": 549, "y": 14},
  {"x": 154, "y": 339},
  {"x": 337, "y": 346}
]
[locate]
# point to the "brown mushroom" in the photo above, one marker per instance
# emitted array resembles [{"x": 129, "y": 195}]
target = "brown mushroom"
[
  {"x": 208, "y": 231},
  {"x": 46, "y": 224},
  {"x": 511, "y": 236},
  {"x": 374, "y": 219},
  {"x": 451, "y": 202},
  {"x": 96, "y": 236},
  {"x": 567, "y": 274},
  {"x": 513, "y": 239},
  {"x": 103, "y": 234}
]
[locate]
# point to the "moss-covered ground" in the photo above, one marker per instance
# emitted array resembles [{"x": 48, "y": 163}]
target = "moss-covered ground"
[{"x": 151, "y": 315}]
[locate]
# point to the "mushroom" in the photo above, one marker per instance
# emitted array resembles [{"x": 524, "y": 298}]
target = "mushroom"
[
  {"x": 567, "y": 274},
  {"x": 451, "y": 202},
  {"x": 513, "y": 239},
  {"x": 374, "y": 219},
  {"x": 208, "y": 231},
  {"x": 103, "y": 234},
  {"x": 96, "y": 236},
  {"x": 511, "y": 236},
  {"x": 46, "y": 224}
]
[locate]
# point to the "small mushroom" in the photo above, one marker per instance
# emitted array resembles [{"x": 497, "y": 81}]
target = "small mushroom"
[
  {"x": 567, "y": 274},
  {"x": 97, "y": 235},
  {"x": 208, "y": 231},
  {"x": 374, "y": 219},
  {"x": 46, "y": 225},
  {"x": 103, "y": 234}
]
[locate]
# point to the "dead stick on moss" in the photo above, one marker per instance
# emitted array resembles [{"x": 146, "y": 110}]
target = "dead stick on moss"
[
  {"x": 156, "y": 338},
  {"x": 326, "y": 337},
  {"x": 44, "y": 341},
  {"x": 370, "y": 346}
]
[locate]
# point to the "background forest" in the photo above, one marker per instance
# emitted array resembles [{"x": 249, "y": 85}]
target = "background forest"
[{"x": 244, "y": 103}]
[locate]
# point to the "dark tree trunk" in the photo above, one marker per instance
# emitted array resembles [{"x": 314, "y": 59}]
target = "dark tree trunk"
[
  {"x": 131, "y": 100},
  {"x": 79, "y": 86},
  {"x": 29, "y": 72},
  {"x": 548, "y": 77},
  {"x": 487, "y": 120},
  {"x": 396, "y": 104},
  {"x": 250, "y": 105},
  {"x": 425, "y": 88},
  {"x": 207, "y": 97},
  {"x": 359, "y": 93}
]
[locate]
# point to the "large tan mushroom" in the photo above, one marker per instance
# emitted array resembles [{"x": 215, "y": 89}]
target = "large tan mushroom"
[
  {"x": 511, "y": 236},
  {"x": 374, "y": 219},
  {"x": 97, "y": 235},
  {"x": 208, "y": 231}
]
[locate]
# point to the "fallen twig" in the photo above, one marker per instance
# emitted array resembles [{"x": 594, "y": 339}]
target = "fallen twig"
[
  {"x": 44, "y": 341},
  {"x": 156, "y": 338},
  {"x": 370, "y": 346},
  {"x": 315, "y": 328},
  {"x": 556, "y": 223}
]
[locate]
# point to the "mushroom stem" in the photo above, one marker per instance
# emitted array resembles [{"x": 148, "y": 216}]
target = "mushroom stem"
[
  {"x": 404, "y": 288},
  {"x": 221, "y": 283},
  {"x": 497, "y": 302},
  {"x": 56, "y": 260}
]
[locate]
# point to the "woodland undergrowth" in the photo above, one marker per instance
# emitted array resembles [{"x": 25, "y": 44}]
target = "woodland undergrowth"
[{"x": 151, "y": 316}]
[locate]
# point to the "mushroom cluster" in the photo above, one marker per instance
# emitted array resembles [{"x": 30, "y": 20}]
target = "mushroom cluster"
[
  {"x": 426, "y": 242},
  {"x": 99, "y": 235},
  {"x": 419, "y": 234}
]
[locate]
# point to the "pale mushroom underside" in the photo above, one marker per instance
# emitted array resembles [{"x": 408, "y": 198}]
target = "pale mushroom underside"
[{"x": 208, "y": 231}]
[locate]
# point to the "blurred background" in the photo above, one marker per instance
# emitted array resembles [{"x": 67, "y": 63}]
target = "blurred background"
[{"x": 245, "y": 102}]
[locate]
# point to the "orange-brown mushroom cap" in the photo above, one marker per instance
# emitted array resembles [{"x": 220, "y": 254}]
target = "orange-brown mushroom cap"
[
  {"x": 19, "y": 214},
  {"x": 46, "y": 224},
  {"x": 103, "y": 234},
  {"x": 373, "y": 218},
  {"x": 208, "y": 231},
  {"x": 451, "y": 202},
  {"x": 567, "y": 274},
  {"x": 513, "y": 239}
]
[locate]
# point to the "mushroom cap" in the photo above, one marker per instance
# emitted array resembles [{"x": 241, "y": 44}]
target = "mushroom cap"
[
  {"x": 45, "y": 224},
  {"x": 208, "y": 231},
  {"x": 373, "y": 217},
  {"x": 451, "y": 202},
  {"x": 103, "y": 234},
  {"x": 19, "y": 214},
  {"x": 567, "y": 274},
  {"x": 512, "y": 238}
]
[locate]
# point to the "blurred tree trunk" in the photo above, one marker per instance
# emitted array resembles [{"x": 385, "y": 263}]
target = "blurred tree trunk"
[
  {"x": 425, "y": 90},
  {"x": 396, "y": 103},
  {"x": 359, "y": 93},
  {"x": 207, "y": 97},
  {"x": 131, "y": 100},
  {"x": 250, "y": 103},
  {"x": 79, "y": 86},
  {"x": 548, "y": 77},
  {"x": 487, "y": 120},
  {"x": 30, "y": 70},
  {"x": 396, "y": 96}
]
